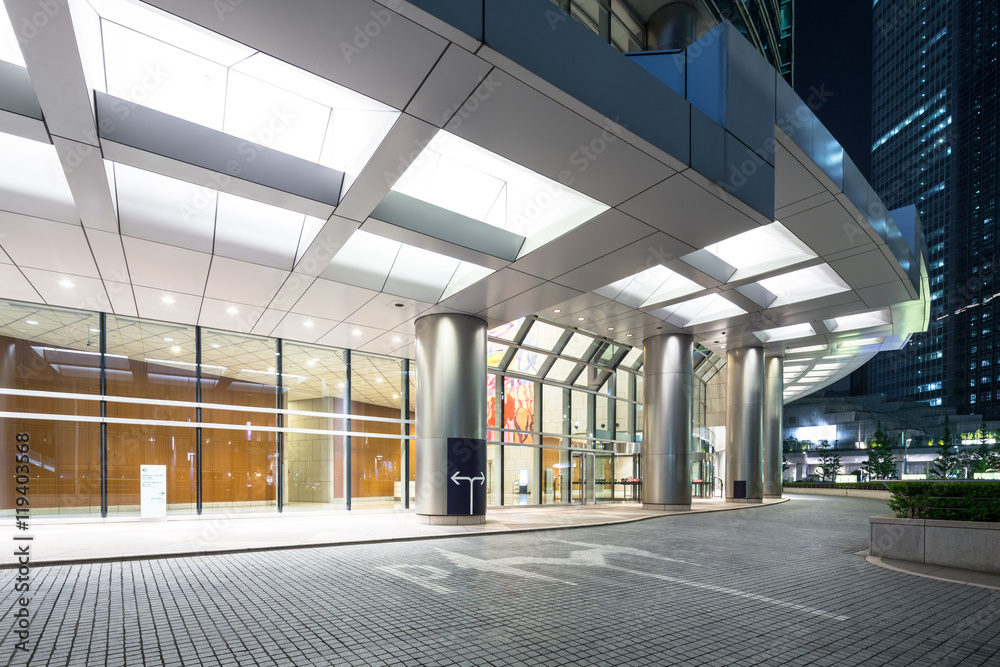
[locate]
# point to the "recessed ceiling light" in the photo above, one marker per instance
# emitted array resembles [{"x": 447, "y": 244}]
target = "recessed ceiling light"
[
  {"x": 399, "y": 304},
  {"x": 95, "y": 331},
  {"x": 580, "y": 319},
  {"x": 309, "y": 323},
  {"x": 378, "y": 379},
  {"x": 557, "y": 311},
  {"x": 356, "y": 332},
  {"x": 396, "y": 339},
  {"x": 32, "y": 322},
  {"x": 628, "y": 335},
  {"x": 340, "y": 384},
  {"x": 315, "y": 358},
  {"x": 611, "y": 328},
  {"x": 175, "y": 348},
  {"x": 66, "y": 282},
  {"x": 215, "y": 345},
  {"x": 232, "y": 310},
  {"x": 169, "y": 340},
  {"x": 395, "y": 395},
  {"x": 270, "y": 369},
  {"x": 167, "y": 299},
  {"x": 310, "y": 363}
]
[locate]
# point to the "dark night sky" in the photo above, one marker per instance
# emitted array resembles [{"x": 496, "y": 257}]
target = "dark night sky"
[{"x": 833, "y": 49}]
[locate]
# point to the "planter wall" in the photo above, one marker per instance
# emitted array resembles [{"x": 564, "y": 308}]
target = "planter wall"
[
  {"x": 851, "y": 493},
  {"x": 968, "y": 545}
]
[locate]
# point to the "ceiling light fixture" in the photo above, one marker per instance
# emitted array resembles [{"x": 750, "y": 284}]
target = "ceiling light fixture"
[
  {"x": 167, "y": 299},
  {"x": 66, "y": 282}
]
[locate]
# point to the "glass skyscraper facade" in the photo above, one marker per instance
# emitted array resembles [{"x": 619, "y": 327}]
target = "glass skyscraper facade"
[
  {"x": 912, "y": 164},
  {"x": 934, "y": 133}
]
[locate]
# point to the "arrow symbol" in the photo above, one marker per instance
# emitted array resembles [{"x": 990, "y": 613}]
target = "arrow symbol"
[{"x": 481, "y": 478}]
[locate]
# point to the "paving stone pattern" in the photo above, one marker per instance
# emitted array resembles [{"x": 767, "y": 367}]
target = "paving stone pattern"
[{"x": 780, "y": 585}]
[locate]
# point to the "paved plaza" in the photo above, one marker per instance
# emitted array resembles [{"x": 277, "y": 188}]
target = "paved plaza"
[{"x": 777, "y": 585}]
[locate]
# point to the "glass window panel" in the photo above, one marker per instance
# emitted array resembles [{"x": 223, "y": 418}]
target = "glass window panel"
[
  {"x": 622, "y": 381},
  {"x": 581, "y": 423},
  {"x": 494, "y": 354},
  {"x": 527, "y": 362},
  {"x": 240, "y": 465},
  {"x": 520, "y": 470},
  {"x": 623, "y": 427},
  {"x": 519, "y": 410},
  {"x": 603, "y": 415},
  {"x": 561, "y": 370},
  {"x": 543, "y": 336},
  {"x": 491, "y": 403},
  {"x": 314, "y": 380},
  {"x": 151, "y": 361},
  {"x": 506, "y": 331},
  {"x": 553, "y": 414},
  {"x": 577, "y": 346},
  {"x": 606, "y": 354},
  {"x": 376, "y": 460},
  {"x": 51, "y": 350},
  {"x": 631, "y": 358},
  {"x": 492, "y": 475}
]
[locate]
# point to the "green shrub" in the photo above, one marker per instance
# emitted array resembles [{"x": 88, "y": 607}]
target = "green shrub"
[{"x": 954, "y": 501}]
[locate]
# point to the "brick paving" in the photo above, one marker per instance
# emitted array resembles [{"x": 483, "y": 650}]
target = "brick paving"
[{"x": 780, "y": 585}]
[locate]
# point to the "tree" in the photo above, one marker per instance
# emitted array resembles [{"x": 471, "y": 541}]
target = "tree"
[
  {"x": 881, "y": 463},
  {"x": 829, "y": 462},
  {"x": 947, "y": 461}
]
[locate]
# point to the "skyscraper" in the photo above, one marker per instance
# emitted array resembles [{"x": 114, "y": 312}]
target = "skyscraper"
[{"x": 913, "y": 160}]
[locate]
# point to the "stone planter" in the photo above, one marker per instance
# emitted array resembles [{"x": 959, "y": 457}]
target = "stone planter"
[{"x": 968, "y": 545}]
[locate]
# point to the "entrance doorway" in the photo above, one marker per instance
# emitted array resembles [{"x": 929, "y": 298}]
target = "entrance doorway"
[{"x": 583, "y": 466}]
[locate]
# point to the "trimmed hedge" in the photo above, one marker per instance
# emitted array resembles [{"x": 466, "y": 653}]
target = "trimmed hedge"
[
  {"x": 865, "y": 486},
  {"x": 952, "y": 501}
]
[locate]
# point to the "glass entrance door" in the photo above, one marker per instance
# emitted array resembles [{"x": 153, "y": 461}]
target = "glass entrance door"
[{"x": 583, "y": 468}]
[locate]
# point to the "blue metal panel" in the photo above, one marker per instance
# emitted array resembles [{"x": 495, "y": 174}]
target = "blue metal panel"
[
  {"x": 827, "y": 153},
  {"x": 792, "y": 115},
  {"x": 667, "y": 66},
  {"x": 538, "y": 36},
  {"x": 855, "y": 186},
  {"x": 750, "y": 107},
  {"x": 706, "y": 74},
  {"x": 466, "y": 15},
  {"x": 708, "y": 147},
  {"x": 749, "y": 176}
]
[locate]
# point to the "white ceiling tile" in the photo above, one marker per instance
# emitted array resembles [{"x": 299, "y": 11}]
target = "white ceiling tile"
[
  {"x": 605, "y": 233},
  {"x": 551, "y": 143},
  {"x": 350, "y": 336},
  {"x": 326, "y": 298},
  {"x": 388, "y": 343},
  {"x": 13, "y": 285},
  {"x": 268, "y": 321},
  {"x": 688, "y": 212},
  {"x": 177, "y": 307},
  {"x": 243, "y": 282},
  {"x": 534, "y": 300},
  {"x": 828, "y": 228},
  {"x": 792, "y": 181},
  {"x": 32, "y": 181},
  {"x": 228, "y": 315},
  {"x": 110, "y": 255},
  {"x": 166, "y": 210},
  {"x": 638, "y": 256},
  {"x": 291, "y": 291},
  {"x": 256, "y": 232},
  {"x": 122, "y": 299},
  {"x": 492, "y": 290},
  {"x": 878, "y": 296},
  {"x": 47, "y": 245},
  {"x": 455, "y": 76},
  {"x": 383, "y": 313},
  {"x": 166, "y": 267},
  {"x": 865, "y": 269},
  {"x": 304, "y": 328},
  {"x": 62, "y": 289}
]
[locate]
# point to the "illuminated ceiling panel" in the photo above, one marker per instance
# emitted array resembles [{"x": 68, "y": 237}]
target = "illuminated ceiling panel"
[
  {"x": 377, "y": 263},
  {"x": 859, "y": 321},
  {"x": 761, "y": 250},
  {"x": 157, "y": 60},
  {"x": 787, "y": 333},
  {"x": 459, "y": 176},
  {"x": 706, "y": 308},
  {"x": 32, "y": 180},
  {"x": 804, "y": 284},
  {"x": 654, "y": 285}
]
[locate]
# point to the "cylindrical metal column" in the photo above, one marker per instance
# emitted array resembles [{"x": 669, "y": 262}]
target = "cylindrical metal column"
[
  {"x": 668, "y": 376},
  {"x": 451, "y": 419},
  {"x": 744, "y": 427},
  {"x": 774, "y": 364}
]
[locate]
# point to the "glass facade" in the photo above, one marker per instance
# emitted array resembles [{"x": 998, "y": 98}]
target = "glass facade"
[{"x": 248, "y": 423}]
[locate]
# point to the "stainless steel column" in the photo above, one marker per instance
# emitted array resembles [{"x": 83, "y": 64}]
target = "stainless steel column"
[
  {"x": 774, "y": 364},
  {"x": 451, "y": 419},
  {"x": 668, "y": 377},
  {"x": 744, "y": 427}
]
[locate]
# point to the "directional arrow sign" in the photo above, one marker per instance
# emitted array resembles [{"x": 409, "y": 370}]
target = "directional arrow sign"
[{"x": 481, "y": 478}]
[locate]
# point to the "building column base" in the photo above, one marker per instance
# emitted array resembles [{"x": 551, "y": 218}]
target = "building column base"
[
  {"x": 745, "y": 500},
  {"x": 772, "y": 496},
  {"x": 666, "y": 508},
  {"x": 451, "y": 519}
]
